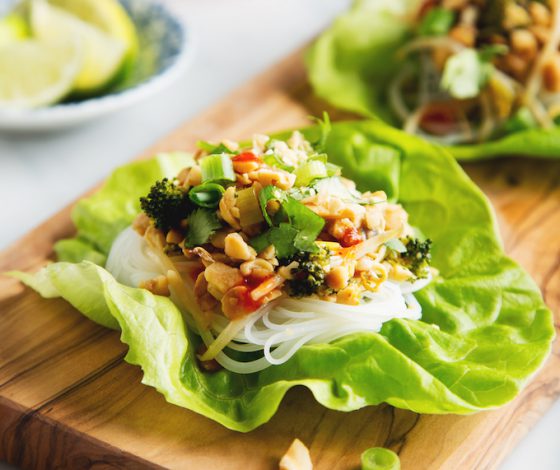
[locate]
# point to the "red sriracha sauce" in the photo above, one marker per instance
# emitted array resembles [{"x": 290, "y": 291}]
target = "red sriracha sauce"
[
  {"x": 351, "y": 237},
  {"x": 249, "y": 305},
  {"x": 439, "y": 119},
  {"x": 246, "y": 157}
]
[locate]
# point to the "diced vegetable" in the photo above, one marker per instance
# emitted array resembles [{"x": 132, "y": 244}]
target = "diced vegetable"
[
  {"x": 250, "y": 212},
  {"x": 309, "y": 171},
  {"x": 216, "y": 168},
  {"x": 271, "y": 159},
  {"x": 206, "y": 195}
]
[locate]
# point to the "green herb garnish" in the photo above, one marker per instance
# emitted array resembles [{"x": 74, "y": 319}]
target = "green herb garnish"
[{"x": 201, "y": 225}]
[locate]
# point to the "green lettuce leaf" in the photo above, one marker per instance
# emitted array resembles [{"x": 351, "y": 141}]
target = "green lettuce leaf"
[
  {"x": 352, "y": 61},
  {"x": 485, "y": 329},
  {"x": 101, "y": 217}
]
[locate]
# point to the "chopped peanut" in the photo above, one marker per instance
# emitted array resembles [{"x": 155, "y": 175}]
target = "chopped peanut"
[
  {"x": 206, "y": 301},
  {"x": 286, "y": 271},
  {"x": 296, "y": 457},
  {"x": 245, "y": 167},
  {"x": 365, "y": 263},
  {"x": 268, "y": 253},
  {"x": 141, "y": 223},
  {"x": 257, "y": 268},
  {"x": 515, "y": 16},
  {"x": 374, "y": 218},
  {"x": 515, "y": 65},
  {"x": 237, "y": 248},
  {"x": 174, "y": 237},
  {"x": 463, "y": 34},
  {"x": 399, "y": 273},
  {"x": 540, "y": 13},
  {"x": 350, "y": 295},
  {"x": 232, "y": 302},
  {"x": 221, "y": 278},
  {"x": 338, "y": 277},
  {"x": 268, "y": 176},
  {"x": 339, "y": 227},
  {"x": 551, "y": 73},
  {"x": 189, "y": 177},
  {"x": 218, "y": 240},
  {"x": 524, "y": 43},
  {"x": 542, "y": 33},
  {"x": 154, "y": 237},
  {"x": 158, "y": 285}
]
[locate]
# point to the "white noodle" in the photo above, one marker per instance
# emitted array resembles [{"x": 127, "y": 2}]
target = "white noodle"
[{"x": 281, "y": 327}]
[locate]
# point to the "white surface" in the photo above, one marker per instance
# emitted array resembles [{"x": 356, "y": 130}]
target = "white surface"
[{"x": 236, "y": 39}]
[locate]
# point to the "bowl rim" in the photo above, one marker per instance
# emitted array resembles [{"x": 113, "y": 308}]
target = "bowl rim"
[{"x": 49, "y": 116}]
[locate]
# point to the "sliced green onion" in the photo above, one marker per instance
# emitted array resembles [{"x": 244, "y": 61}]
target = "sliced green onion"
[
  {"x": 206, "y": 195},
  {"x": 437, "y": 22},
  {"x": 249, "y": 208},
  {"x": 274, "y": 160},
  {"x": 310, "y": 170},
  {"x": 213, "y": 148},
  {"x": 217, "y": 168},
  {"x": 321, "y": 157}
]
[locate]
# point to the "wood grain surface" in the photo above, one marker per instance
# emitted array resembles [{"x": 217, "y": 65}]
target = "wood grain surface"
[{"x": 68, "y": 400}]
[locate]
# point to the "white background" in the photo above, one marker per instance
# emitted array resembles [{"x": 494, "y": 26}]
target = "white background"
[{"x": 235, "y": 39}]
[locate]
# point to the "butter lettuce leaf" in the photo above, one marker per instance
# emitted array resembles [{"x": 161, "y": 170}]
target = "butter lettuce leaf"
[
  {"x": 352, "y": 62},
  {"x": 484, "y": 332}
]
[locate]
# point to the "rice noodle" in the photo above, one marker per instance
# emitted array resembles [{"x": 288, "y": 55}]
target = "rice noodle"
[
  {"x": 396, "y": 99},
  {"x": 280, "y": 328},
  {"x": 434, "y": 42},
  {"x": 534, "y": 82}
]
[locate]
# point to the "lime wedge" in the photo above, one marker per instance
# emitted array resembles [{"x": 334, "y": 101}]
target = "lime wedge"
[
  {"x": 36, "y": 73},
  {"x": 103, "y": 55},
  {"x": 12, "y": 28},
  {"x": 107, "y": 15}
]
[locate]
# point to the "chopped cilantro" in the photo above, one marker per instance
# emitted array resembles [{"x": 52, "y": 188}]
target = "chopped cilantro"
[{"x": 201, "y": 225}]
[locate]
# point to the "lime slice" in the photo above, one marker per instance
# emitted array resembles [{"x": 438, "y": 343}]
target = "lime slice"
[
  {"x": 103, "y": 54},
  {"x": 36, "y": 73},
  {"x": 12, "y": 28},
  {"x": 107, "y": 15}
]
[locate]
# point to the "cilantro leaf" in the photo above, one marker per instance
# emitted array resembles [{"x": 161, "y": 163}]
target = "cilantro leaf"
[
  {"x": 294, "y": 228},
  {"x": 201, "y": 225},
  {"x": 268, "y": 194},
  {"x": 437, "y": 22},
  {"x": 211, "y": 148}
]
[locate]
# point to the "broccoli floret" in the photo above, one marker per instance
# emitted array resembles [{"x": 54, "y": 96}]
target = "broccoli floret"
[
  {"x": 417, "y": 256},
  {"x": 309, "y": 276},
  {"x": 166, "y": 204}
]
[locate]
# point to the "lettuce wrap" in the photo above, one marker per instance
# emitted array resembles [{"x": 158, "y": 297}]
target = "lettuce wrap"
[
  {"x": 353, "y": 62},
  {"x": 484, "y": 332}
]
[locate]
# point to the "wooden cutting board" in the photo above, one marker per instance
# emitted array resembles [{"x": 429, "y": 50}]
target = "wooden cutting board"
[{"x": 68, "y": 400}]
